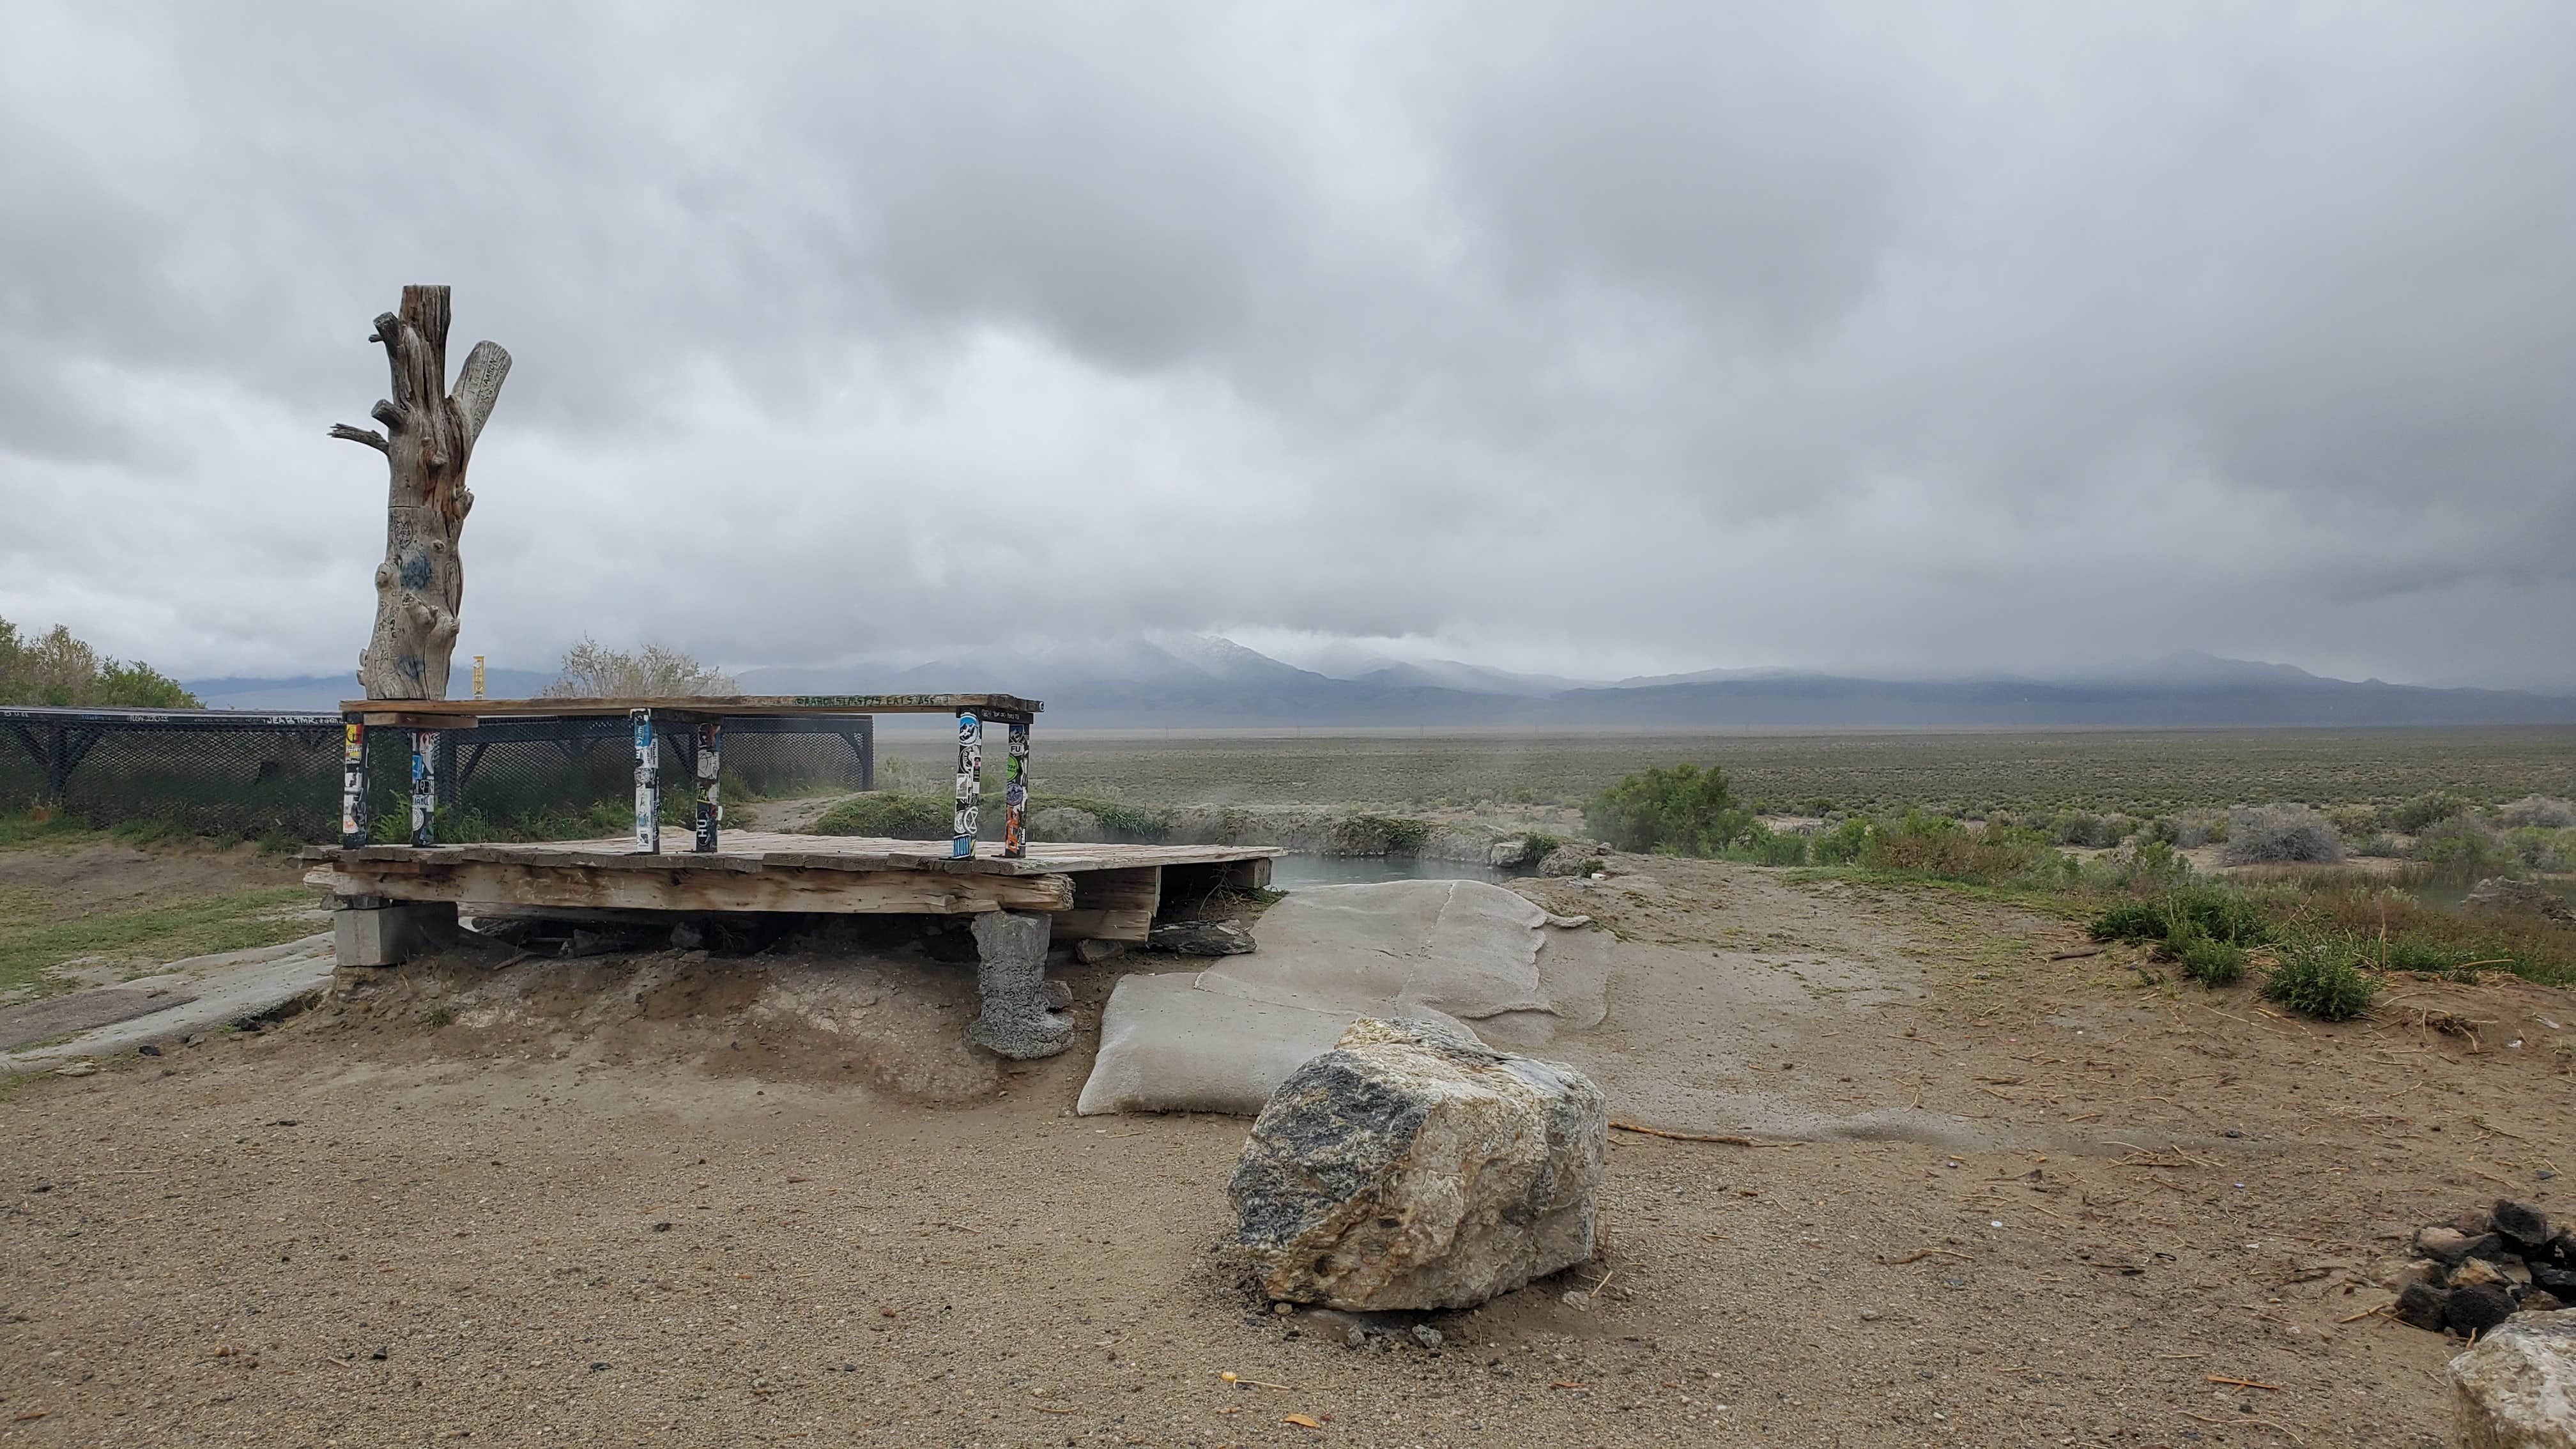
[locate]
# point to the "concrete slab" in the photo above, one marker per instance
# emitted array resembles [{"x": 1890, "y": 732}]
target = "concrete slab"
[{"x": 204, "y": 992}]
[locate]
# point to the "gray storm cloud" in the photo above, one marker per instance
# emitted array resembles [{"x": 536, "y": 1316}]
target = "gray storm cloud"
[{"x": 1598, "y": 339}]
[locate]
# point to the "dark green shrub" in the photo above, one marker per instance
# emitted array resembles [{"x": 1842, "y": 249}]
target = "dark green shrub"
[
  {"x": 2211, "y": 919},
  {"x": 2425, "y": 810},
  {"x": 2130, "y": 921},
  {"x": 2465, "y": 848},
  {"x": 2322, "y": 977},
  {"x": 2218, "y": 913},
  {"x": 2211, "y": 963},
  {"x": 1841, "y": 845},
  {"x": 1680, "y": 808},
  {"x": 2431, "y": 958}
]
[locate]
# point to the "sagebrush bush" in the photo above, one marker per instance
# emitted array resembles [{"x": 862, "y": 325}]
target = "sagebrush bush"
[
  {"x": 1678, "y": 808},
  {"x": 2087, "y": 829},
  {"x": 2541, "y": 812},
  {"x": 2145, "y": 865},
  {"x": 2322, "y": 976},
  {"x": 2281, "y": 835}
]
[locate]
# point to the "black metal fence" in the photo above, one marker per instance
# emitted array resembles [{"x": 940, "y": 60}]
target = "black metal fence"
[{"x": 256, "y": 775}]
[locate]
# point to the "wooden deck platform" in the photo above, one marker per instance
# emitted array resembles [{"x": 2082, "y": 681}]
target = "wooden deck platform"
[{"x": 1103, "y": 892}]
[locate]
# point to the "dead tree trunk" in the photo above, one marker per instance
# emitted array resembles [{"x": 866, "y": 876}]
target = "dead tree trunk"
[{"x": 429, "y": 434}]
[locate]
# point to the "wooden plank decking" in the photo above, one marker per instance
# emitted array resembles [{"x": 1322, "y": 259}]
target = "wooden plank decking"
[
  {"x": 1110, "y": 892},
  {"x": 461, "y": 713}
]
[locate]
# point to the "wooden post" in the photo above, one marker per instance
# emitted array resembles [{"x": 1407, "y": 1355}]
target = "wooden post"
[
  {"x": 710, "y": 767},
  {"x": 648, "y": 784},
  {"x": 429, "y": 435},
  {"x": 353, "y": 783},
  {"x": 1015, "y": 795},
  {"x": 970, "y": 782},
  {"x": 424, "y": 787}
]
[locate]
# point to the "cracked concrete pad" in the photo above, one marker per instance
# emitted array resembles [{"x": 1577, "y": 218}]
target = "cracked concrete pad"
[{"x": 1222, "y": 1039}]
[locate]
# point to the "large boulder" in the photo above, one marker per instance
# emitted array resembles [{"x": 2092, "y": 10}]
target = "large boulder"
[
  {"x": 2517, "y": 1388},
  {"x": 1414, "y": 1167}
]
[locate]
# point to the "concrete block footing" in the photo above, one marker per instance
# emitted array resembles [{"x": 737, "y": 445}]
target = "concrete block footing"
[
  {"x": 1021, "y": 1019},
  {"x": 388, "y": 935}
]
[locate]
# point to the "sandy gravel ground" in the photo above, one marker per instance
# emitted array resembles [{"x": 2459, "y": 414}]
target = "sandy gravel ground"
[{"x": 655, "y": 1200}]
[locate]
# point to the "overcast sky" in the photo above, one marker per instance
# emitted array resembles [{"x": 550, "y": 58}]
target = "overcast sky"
[{"x": 1598, "y": 338}]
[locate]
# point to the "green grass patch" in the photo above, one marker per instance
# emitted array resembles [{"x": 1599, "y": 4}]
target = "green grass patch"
[{"x": 233, "y": 921}]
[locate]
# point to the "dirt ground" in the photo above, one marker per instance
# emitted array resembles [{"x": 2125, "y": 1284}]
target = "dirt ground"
[
  {"x": 675, "y": 1200},
  {"x": 85, "y": 879}
]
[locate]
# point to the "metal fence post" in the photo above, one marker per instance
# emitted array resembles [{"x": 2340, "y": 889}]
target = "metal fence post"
[
  {"x": 648, "y": 784},
  {"x": 353, "y": 782},
  {"x": 424, "y": 787},
  {"x": 710, "y": 766},
  {"x": 970, "y": 783}
]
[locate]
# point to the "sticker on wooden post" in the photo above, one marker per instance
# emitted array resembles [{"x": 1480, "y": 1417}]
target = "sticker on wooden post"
[
  {"x": 353, "y": 786},
  {"x": 970, "y": 777},
  {"x": 1015, "y": 794},
  {"x": 710, "y": 770},
  {"x": 648, "y": 784},
  {"x": 424, "y": 787}
]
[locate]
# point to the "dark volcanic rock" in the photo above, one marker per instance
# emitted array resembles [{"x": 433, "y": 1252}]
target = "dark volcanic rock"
[
  {"x": 2521, "y": 1224},
  {"x": 2422, "y": 1305},
  {"x": 2476, "y": 1309}
]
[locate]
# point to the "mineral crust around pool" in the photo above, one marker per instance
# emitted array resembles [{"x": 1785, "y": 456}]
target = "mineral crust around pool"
[{"x": 1414, "y": 1167}]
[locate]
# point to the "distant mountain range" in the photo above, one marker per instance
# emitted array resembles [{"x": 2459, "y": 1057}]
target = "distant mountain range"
[{"x": 1207, "y": 682}]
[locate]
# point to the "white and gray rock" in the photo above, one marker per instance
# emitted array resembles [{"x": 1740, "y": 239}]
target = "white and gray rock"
[
  {"x": 2508, "y": 896},
  {"x": 2517, "y": 1388},
  {"x": 1570, "y": 859},
  {"x": 1414, "y": 1167},
  {"x": 1092, "y": 952}
]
